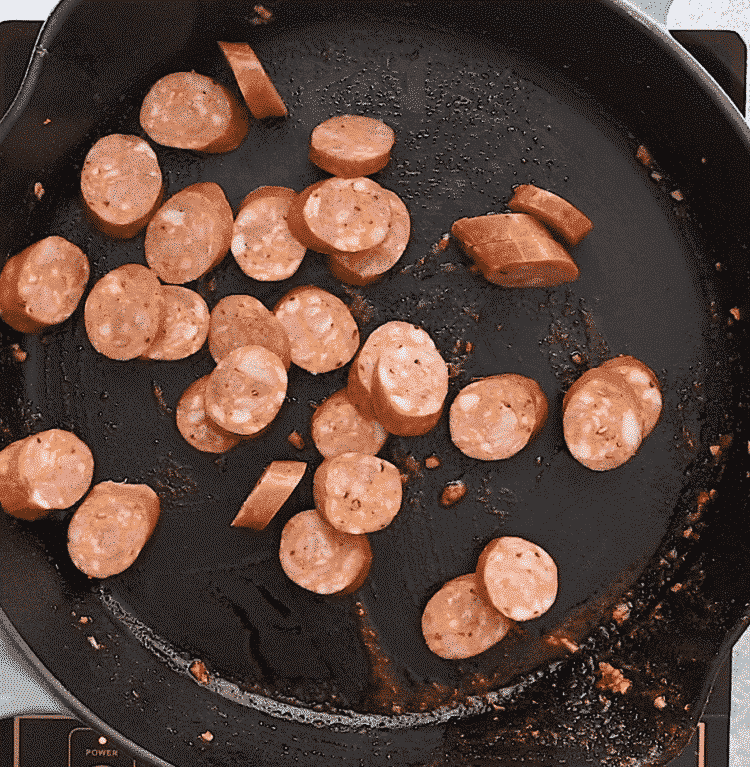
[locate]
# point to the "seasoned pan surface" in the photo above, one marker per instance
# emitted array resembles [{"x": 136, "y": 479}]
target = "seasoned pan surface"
[{"x": 475, "y": 112}]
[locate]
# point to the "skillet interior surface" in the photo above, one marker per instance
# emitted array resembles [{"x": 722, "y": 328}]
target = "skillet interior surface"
[{"x": 477, "y": 106}]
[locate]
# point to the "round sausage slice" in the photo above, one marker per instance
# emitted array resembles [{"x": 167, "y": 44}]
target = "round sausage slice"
[
  {"x": 240, "y": 320},
  {"x": 121, "y": 184},
  {"x": 246, "y": 390},
  {"x": 13, "y": 495},
  {"x": 262, "y": 244},
  {"x": 184, "y": 325},
  {"x": 257, "y": 89},
  {"x": 123, "y": 312},
  {"x": 196, "y": 427},
  {"x": 190, "y": 234},
  {"x": 320, "y": 558},
  {"x": 321, "y": 330},
  {"x": 366, "y": 266},
  {"x": 191, "y": 111},
  {"x": 270, "y": 493},
  {"x": 357, "y": 493},
  {"x": 517, "y": 577},
  {"x": 409, "y": 389},
  {"x": 391, "y": 335},
  {"x": 351, "y": 145},
  {"x": 558, "y": 214},
  {"x": 458, "y": 622},
  {"x": 494, "y": 418},
  {"x": 42, "y": 285},
  {"x": 644, "y": 384},
  {"x": 601, "y": 420},
  {"x": 110, "y": 528},
  {"x": 338, "y": 427}
]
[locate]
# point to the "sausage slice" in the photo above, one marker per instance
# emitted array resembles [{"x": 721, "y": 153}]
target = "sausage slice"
[
  {"x": 191, "y": 111},
  {"x": 271, "y": 492},
  {"x": 338, "y": 427},
  {"x": 13, "y": 495},
  {"x": 42, "y": 285},
  {"x": 494, "y": 418},
  {"x": 458, "y": 622},
  {"x": 644, "y": 384},
  {"x": 123, "y": 312},
  {"x": 262, "y": 244},
  {"x": 558, "y": 214},
  {"x": 357, "y": 493},
  {"x": 184, "y": 325},
  {"x": 110, "y": 528},
  {"x": 320, "y": 558},
  {"x": 190, "y": 234},
  {"x": 518, "y": 577},
  {"x": 351, "y": 145},
  {"x": 121, "y": 184},
  {"x": 321, "y": 330},
  {"x": 196, "y": 427}
]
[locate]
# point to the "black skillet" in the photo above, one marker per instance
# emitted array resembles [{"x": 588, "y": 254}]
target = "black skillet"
[{"x": 653, "y": 557}]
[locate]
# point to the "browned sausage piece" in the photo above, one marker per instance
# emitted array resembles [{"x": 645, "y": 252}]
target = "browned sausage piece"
[
  {"x": 367, "y": 266},
  {"x": 644, "y": 384},
  {"x": 121, "y": 184},
  {"x": 320, "y": 558},
  {"x": 190, "y": 234},
  {"x": 191, "y": 111},
  {"x": 123, "y": 312},
  {"x": 351, "y": 145},
  {"x": 240, "y": 320},
  {"x": 110, "y": 528},
  {"x": 259, "y": 92},
  {"x": 517, "y": 577},
  {"x": 357, "y": 493},
  {"x": 262, "y": 244},
  {"x": 340, "y": 215},
  {"x": 601, "y": 420},
  {"x": 42, "y": 285},
  {"x": 558, "y": 214},
  {"x": 494, "y": 418},
  {"x": 338, "y": 427},
  {"x": 270, "y": 493},
  {"x": 409, "y": 389},
  {"x": 246, "y": 390},
  {"x": 184, "y": 325},
  {"x": 13, "y": 495},
  {"x": 320, "y": 328},
  {"x": 196, "y": 427},
  {"x": 458, "y": 622}
]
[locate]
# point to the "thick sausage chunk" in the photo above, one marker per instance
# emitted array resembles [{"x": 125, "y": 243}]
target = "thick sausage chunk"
[
  {"x": 515, "y": 251},
  {"x": 257, "y": 89},
  {"x": 495, "y": 417},
  {"x": 458, "y": 622},
  {"x": 601, "y": 420},
  {"x": 196, "y": 427},
  {"x": 518, "y": 577},
  {"x": 357, "y": 493},
  {"x": 558, "y": 214},
  {"x": 270, "y": 493},
  {"x": 246, "y": 390},
  {"x": 240, "y": 320},
  {"x": 262, "y": 244},
  {"x": 644, "y": 384},
  {"x": 340, "y": 215},
  {"x": 320, "y": 328},
  {"x": 111, "y": 527},
  {"x": 409, "y": 389},
  {"x": 365, "y": 267},
  {"x": 338, "y": 427},
  {"x": 13, "y": 495},
  {"x": 42, "y": 285},
  {"x": 184, "y": 325},
  {"x": 123, "y": 312},
  {"x": 351, "y": 145},
  {"x": 191, "y": 111},
  {"x": 121, "y": 184},
  {"x": 320, "y": 558},
  {"x": 190, "y": 234}
]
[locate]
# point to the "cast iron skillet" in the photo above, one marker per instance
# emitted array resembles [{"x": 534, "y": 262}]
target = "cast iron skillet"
[{"x": 653, "y": 557}]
